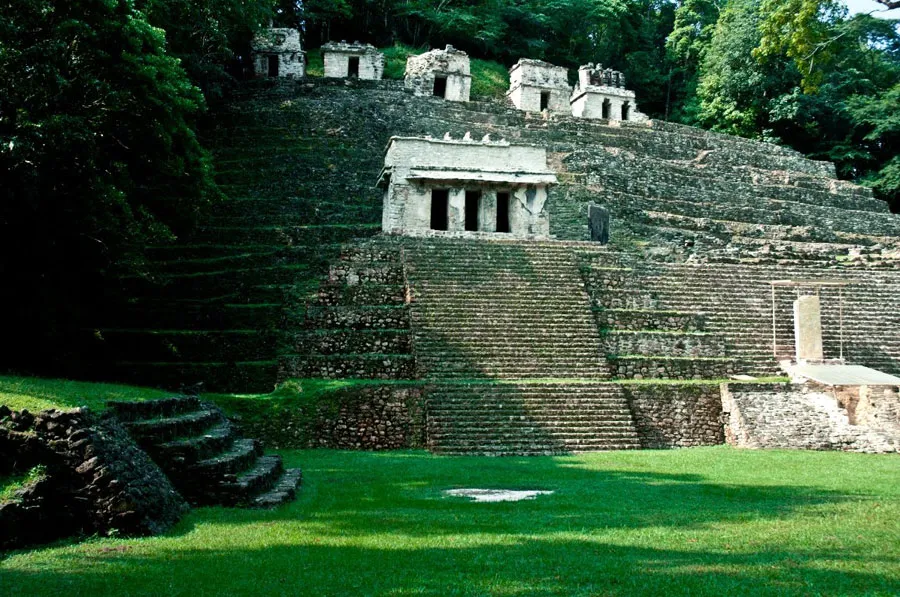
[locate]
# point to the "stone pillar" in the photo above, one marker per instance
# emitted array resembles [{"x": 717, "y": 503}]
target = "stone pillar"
[
  {"x": 487, "y": 216},
  {"x": 808, "y": 328},
  {"x": 456, "y": 219}
]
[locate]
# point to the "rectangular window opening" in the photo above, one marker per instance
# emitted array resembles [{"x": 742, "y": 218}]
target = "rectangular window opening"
[
  {"x": 439, "y": 208},
  {"x": 440, "y": 86},
  {"x": 545, "y": 100},
  {"x": 502, "y": 212},
  {"x": 473, "y": 206},
  {"x": 606, "y": 109},
  {"x": 625, "y": 110},
  {"x": 353, "y": 67},
  {"x": 273, "y": 65}
]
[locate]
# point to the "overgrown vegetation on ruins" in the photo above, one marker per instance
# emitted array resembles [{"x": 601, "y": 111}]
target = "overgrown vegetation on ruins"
[{"x": 101, "y": 100}]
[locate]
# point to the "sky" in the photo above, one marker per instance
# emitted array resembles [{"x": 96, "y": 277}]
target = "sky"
[{"x": 856, "y": 6}]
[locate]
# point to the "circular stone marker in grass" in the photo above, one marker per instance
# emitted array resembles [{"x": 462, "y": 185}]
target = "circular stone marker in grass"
[{"x": 497, "y": 495}]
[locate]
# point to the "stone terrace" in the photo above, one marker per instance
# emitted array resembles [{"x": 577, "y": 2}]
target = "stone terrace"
[{"x": 299, "y": 159}]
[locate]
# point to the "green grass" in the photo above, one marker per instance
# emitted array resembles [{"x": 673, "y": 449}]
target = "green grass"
[
  {"x": 489, "y": 79},
  {"x": 10, "y": 485},
  {"x": 706, "y": 521},
  {"x": 35, "y": 394}
]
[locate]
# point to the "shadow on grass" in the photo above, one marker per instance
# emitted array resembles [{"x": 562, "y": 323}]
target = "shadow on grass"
[{"x": 370, "y": 523}]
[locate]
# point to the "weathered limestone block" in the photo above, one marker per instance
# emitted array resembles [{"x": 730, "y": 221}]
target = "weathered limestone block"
[
  {"x": 344, "y": 60},
  {"x": 277, "y": 52},
  {"x": 441, "y": 73},
  {"x": 535, "y": 85},
  {"x": 676, "y": 416}
]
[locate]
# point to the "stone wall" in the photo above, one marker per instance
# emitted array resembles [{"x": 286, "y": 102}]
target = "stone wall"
[
  {"x": 97, "y": 480},
  {"x": 358, "y": 417},
  {"x": 796, "y": 417},
  {"x": 528, "y": 79},
  {"x": 676, "y": 416}
]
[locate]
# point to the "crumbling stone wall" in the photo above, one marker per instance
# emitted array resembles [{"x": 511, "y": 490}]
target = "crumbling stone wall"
[
  {"x": 450, "y": 64},
  {"x": 676, "y": 416},
  {"x": 795, "y": 416},
  {"x": 97, "y": 479}
]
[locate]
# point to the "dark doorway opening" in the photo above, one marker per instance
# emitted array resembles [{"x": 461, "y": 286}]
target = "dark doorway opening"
[
  {"x": 545, "y": 100},
  {"x": 440, "y": 199},
  {"x": 473, "y": 206},
  {"x": 625, "y": 110},
  {"x": 440, "y": 86},
  {"x": 502, "y": 212},
  {"x": 273, "y": 66},
  {"x": 606, "y": 109},
  {"x": 598, "y": 223},
  {"x": 353, "y": 67}
]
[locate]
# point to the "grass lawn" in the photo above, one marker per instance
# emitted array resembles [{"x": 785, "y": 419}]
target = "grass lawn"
[{"x": 705, "y": 521}]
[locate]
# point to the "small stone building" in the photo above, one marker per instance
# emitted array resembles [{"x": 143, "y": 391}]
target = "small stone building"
[
  {"x": 277, "y": 52},
  {"x": 442, "y": 73},
  {"x": 465, "y": 187},
  {"x": 353, "y": 61},
  {"x": 535, "y": 86},
  {"x": 601, "y": 93}
]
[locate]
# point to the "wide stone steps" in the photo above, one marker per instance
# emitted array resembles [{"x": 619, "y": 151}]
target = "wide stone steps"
[{"x": 196, "y": 446}]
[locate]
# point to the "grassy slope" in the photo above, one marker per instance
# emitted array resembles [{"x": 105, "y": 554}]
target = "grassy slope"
[
  {"x": 709, "y": 521},
  {"x": 34, "y": 393}
]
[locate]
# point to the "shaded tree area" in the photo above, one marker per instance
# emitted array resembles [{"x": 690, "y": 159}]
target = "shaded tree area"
[{"x": 98, "y": 157}]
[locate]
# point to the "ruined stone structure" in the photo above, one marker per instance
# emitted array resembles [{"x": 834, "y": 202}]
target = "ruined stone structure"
[
  {"x": 355, "y": 61},
  {"x": 535, "y": 86},
  {"x": 465, "y": 186},
  {"x": 277, "y": 52},
  {"x": 601, "y": 93},
  {"x": 440, "y": 73},
  {"x": 700, "y": 225}
]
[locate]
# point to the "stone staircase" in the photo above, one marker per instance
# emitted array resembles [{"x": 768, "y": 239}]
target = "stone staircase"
[
  {"x": 207, "y": 462},
  {"x": 498, "y": 309},
  {"x": 528, "y": 418},
  {"x": 643, "y": 340},
  {"x": 358, "y": 325}
]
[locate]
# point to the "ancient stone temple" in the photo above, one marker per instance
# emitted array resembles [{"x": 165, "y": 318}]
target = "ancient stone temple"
[
  {"x": 441, "y": 73},
  {"x": 277, "y": 52},
  {"x": 601, "y": 93},
  {"x": 354, "y": 61},
  {"x": 465, "y": 187},
  {"x": 535, "y": 86}
]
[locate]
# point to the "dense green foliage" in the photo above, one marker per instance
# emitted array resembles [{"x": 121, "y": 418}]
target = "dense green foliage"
[
  {"x": 703, "y": 521},
  {"x": 98, "y": 156}
]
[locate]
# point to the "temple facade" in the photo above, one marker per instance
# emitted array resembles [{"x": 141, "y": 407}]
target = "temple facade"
[
  {"x": 352, "y": 61},
  {"x": 465, "y": 187},
  {"x": 440, "y": 73},
  {"x": 601, "y": 93},
  {"x": 535, "y": 86},
  {"x": 277, "y": 52}
]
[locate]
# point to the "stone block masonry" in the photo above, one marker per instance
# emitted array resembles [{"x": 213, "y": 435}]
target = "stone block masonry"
[
  {"x": 278, "y": 53},
  {"x": 97, "y": 479},
  {"x": 535, "y": 85},
  {"x": 356, "y": 60},
  {"x": 676, "y": 416}
]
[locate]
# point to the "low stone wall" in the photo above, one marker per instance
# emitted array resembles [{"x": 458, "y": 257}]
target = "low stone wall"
[
  {"x": 367, "y": 417},
  {"x": 97, "y": 479},
  {"x": 676, "y": 416}
]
